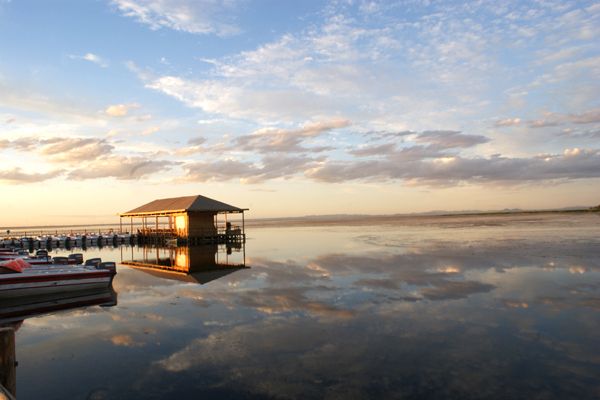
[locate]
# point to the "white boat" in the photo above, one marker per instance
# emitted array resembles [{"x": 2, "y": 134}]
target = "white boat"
[{"x": 55, "y": 278}]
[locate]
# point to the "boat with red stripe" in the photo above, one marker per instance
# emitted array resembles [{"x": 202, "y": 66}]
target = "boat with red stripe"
[{"x": 19, "y": 278}]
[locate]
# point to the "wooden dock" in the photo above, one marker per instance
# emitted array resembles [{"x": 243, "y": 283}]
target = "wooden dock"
[{"x": 166, "y": 238}]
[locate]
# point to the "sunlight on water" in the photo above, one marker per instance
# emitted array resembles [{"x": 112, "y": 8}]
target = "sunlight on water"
[{"x": 468, "y": 308}]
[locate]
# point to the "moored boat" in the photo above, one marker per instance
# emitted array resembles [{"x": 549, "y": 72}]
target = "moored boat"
[
  {"x": 55, "y": 278},
  {"x": 24, "y": 255}
]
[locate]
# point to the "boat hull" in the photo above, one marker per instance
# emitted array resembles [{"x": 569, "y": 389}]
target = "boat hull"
[{"x": 19, "y": 285}]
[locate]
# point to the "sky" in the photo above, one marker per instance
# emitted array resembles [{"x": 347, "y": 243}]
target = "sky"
[{"x": 297, "y": 108}]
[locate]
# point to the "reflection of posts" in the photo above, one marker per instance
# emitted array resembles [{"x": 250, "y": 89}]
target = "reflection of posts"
[
  {"x": 8, "y": 376},
  {"x": 228, "y": 228}
]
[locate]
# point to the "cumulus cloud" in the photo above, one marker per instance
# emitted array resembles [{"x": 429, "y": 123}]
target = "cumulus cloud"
[
  {"x": 192, "y": 16},
  {"x": 120, "y": 110}
]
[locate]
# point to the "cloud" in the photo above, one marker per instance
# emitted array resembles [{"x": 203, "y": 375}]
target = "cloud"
[
  {"x": 85, "y": 158},
  {"x": 456, "y": 290},
  {"x": 273, "y": 140},
  {"x": 240, "y": 101},
  {"x": 284, "y": 300},
  {"x": 120, "y": 110},
  {"x": 451, "y": 139},
  {"x": 196, "y": 141},
  {"x": 452, "y": 170},
  {"x": 377, "y": 150},
  {"x": 588, "y": 117},
  {"x": 542, "y": 123},
  {"x": 191, "y": 16},
  {"x": 18, "y": 176},
  {"x": 333, "y": 69},
  {"x": 270, "y": 167},
  {"x": 508, "y": 122},
  {"x": 348, "y": 65},
  {"x": 124, "y": 340},
  {"x": 91, "y": 57},
  {"x": 194, "y": 145},
  {"x": 75, "y": 150},
  {"x": 120, "y": 167},
  {"x": 556, "y": 119},
  {"x": 59, "y": 149}
]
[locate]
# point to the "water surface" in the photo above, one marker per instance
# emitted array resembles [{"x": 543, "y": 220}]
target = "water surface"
[{"x": 481, "y": 308}]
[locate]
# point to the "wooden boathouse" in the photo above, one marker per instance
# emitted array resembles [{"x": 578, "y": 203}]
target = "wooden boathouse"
[{"x": 189, "y": 220}]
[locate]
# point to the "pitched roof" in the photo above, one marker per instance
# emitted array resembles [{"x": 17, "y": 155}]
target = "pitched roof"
[
  {"x": 182, "y": 204},
  {"x": 201, "y": 277}
]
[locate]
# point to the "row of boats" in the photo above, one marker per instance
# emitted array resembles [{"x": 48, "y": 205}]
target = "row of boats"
[
  {"x": 74, "y": 240},
  {"x": 24, "y": 275}
]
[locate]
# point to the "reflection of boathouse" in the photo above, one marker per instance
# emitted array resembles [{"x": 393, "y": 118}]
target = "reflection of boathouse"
[
  {"x": 199, "y": 264},
  {"x": 190, "y": 219}
]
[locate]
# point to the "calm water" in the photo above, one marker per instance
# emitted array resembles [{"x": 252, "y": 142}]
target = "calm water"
[{"x": 449, "y": 308}]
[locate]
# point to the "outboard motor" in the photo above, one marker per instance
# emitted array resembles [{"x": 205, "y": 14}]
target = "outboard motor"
[
  {"x": 42, "y": 254},
  {"x": 94, "y": 262},
  {"x": 60, "y": 260},
  {"x": 76, "y": 258},
  {"x": 109, "y": 265}
]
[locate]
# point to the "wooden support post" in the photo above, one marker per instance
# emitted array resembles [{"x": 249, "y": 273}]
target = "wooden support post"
[
  {"x": 8, "y": 374},
  {"x": 120, "y": 225}
]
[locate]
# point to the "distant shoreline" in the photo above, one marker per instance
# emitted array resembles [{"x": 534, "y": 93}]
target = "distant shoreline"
[
  {"x": 408, "y": 219},
  {"x": 344, "y": 219}
]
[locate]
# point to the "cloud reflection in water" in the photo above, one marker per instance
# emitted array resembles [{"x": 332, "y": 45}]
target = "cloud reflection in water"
[{"x": 454, "y": 316}]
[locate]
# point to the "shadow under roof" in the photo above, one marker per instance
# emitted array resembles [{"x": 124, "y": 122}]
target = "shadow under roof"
[{"x": 171, "y": 205}]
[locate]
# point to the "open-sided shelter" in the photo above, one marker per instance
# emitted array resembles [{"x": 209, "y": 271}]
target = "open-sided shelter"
[{"x": 189, "y": 217}]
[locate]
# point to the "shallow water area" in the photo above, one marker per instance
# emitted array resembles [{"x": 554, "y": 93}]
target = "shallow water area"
[{"x": 464, "y": 307}]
